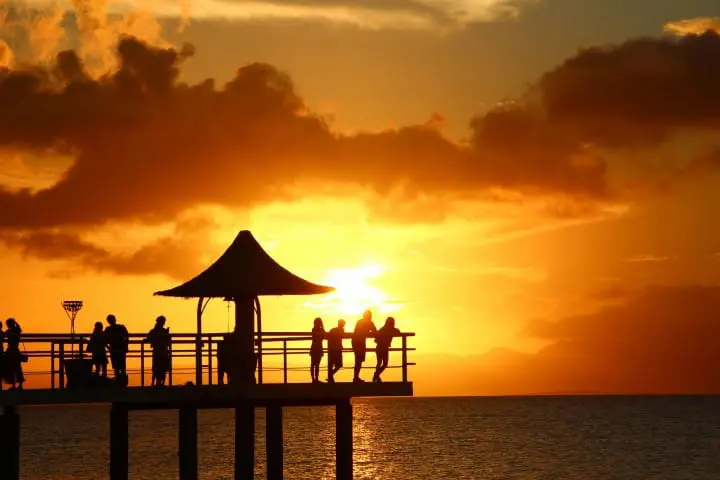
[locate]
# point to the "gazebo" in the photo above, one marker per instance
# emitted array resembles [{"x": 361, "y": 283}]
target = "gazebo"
[{"x": 243, "y": 273}]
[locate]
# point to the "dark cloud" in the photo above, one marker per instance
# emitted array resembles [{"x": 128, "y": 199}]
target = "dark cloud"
[
  {"x": 148, "y": 146},
  {"x": 661, "y": 340},
  {"x": 178, "y": 255},
  {"x": 638, "y": 92}
]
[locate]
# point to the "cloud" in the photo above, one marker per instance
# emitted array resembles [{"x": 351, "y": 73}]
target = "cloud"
[
  {"x": 660, "y": 340},
  {"x": 638, "y": 93},
  {"x": 149, "y": 147},
  {"x": 177, "y": 255},
  {"x": 693, "y": 26},
  {"x": 372, "y": 14},
  {"x": 648, "y": 258},
  {"x": 45, "y": 26},
  {"x": 656, "y": 340}
]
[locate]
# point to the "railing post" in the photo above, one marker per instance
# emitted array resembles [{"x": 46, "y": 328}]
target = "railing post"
[
  {"x": 62, "y": 364},
  {"x": 170, "y": 348},
  {"x": 210, "y": 362},
  {"x": 404, "y": 359},
  {"x": 285, "y": 379},
  {"x": 52, "y": 365},
  {"x": 142, "y": 364}
]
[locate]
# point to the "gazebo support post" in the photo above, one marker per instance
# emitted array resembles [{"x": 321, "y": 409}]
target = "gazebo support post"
[
  {"x": 198, "y": 343},
  {"x": 244, "y": 339},
  {"x": 258, "y": 313}
]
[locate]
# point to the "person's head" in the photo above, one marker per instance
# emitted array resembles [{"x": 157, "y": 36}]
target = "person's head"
[
  {"x": 111, "y": 320},
  {"x": 390, "y": 322},
  {"x": 341, "y": 324},
  {"x": 160, "y": 321},
  {"x": 367, "y": 315},
  {"x": 10, "y": 322},
  {"x": 98, "y": 327},
  {"x": 318, "y": 323}
]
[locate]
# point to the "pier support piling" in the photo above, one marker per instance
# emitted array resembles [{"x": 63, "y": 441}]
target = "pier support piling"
[
  {"x": 10, "y": 444},
  {"x": 187, "y": 443},
  {"x": 343, "y": 440},
  {"x": 244, "y": 441},
  {"x": 274, "y": 441},
  {"x": 119, "y": 443}
]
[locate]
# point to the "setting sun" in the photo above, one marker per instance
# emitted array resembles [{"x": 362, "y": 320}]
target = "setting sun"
[{"x": 354, "y": 292}]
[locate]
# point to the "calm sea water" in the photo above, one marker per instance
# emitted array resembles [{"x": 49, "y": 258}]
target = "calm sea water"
[{"x": 570, "y": 438}]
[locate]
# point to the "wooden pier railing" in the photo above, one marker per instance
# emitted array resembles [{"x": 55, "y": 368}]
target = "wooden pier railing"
[{"x": 283, "y": 358}]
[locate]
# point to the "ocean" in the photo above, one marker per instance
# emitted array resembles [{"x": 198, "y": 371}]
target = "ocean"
[{"x": 492, "y": 438}]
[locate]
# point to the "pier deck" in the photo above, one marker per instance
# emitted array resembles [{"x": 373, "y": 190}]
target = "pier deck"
[
  {"x": 207, "y": 396},
  {"x": 193, "y": 383}
]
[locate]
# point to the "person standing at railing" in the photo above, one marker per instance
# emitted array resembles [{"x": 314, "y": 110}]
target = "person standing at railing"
[
  {"x": 13, "y": 358},
  {"x": 335, "y": 350},
  {"x": 159, "y": 339},
  {"x": 223, "y": 359},
  {"x": 118, "y": 339},
  {"x": 96, "y": 346},
  {"x": 383, "y": 338},
  {"x": 2, "y": 354},
  {"x": 363, "y": 328},
  {"x": 316, "y": 349}
]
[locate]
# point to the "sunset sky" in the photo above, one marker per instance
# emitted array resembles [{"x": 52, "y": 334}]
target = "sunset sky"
[{"x": 531, "y": 186}]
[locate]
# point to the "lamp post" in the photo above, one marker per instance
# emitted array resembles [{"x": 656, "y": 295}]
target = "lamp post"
[{"x": 72, "y": 307}]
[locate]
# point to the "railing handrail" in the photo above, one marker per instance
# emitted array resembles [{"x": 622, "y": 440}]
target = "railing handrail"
[
  {"x": 184, "y": 346},
  {"x": 70, "y": 336}
]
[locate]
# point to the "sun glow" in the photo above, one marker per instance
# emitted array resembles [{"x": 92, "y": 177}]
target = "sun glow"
[{"x": 354, "y": 292}]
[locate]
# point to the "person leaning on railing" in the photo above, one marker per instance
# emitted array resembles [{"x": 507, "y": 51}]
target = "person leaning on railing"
[{"x": 383, "y": 339}]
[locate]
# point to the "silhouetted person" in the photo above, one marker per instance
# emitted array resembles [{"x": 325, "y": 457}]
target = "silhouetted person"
[
  {"x": 383, "y": 338},
  {"x": 316, "y": 349},
  {"x": 96, "y": 346},
  {"x": 363, "y": 327},
  {"x": 117, "y": 338},
  {"x": 159, "y": 339},
  {"x": 13, "y": 358},
  {"x": 223, "y": 359},
  {"x": 2, "y": 354},
  {"x": 335, "y": 348}
]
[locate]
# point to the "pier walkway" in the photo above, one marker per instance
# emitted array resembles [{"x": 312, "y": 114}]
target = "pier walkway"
[
  {"x": 59, "y": 373},
  {"x": 282, "y": 381}
]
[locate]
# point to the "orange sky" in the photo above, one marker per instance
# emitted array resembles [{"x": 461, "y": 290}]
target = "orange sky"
[{"x": 565, "y": 240}]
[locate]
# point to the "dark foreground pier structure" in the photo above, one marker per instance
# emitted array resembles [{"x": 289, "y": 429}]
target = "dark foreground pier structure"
[{"x": 242, "y": 274}]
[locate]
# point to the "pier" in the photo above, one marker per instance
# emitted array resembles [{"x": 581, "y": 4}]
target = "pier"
[{"x": 272, "y": 372}]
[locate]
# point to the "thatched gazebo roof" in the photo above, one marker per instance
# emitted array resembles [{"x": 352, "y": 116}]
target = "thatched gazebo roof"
[{"x": 245, "y": 270}]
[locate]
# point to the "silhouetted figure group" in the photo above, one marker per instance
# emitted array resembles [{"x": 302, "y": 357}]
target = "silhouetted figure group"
[
  {"x": 11, "y": 358},
  {"x": 115, "y": 340},
  {"x": 234, "y": 362},
  {"x": 364, "y": 328}
]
